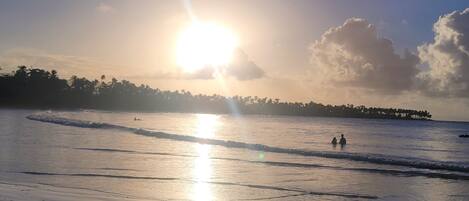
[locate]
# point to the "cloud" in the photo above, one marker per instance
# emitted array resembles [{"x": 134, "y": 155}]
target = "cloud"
[
  {"x": 241, "y": 68},
  {"x": 353, "y": 55},
  {"x": 447, "y": 57},
  {"x": 104, "y": 8},
  {"x": 202, "y": 74}
]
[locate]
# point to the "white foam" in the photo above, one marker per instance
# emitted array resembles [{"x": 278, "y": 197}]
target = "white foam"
[{"x": 364, "y": 157}]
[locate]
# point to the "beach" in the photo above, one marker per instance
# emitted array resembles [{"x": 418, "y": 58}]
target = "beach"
[{"x": 98, "y": 155}]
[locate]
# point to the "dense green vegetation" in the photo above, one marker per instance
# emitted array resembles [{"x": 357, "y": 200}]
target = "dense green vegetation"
[{"x": 37, "y": 88}]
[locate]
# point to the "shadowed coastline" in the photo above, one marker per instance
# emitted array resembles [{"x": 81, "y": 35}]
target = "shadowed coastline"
[{"x": 38, "y": 88}]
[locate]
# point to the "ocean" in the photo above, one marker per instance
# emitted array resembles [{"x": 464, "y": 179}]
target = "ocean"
[{"x": 100, "y": 155}]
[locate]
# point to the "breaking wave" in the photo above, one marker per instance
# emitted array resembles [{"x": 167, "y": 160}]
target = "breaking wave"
[
  {"x": 370, "y": 158},
  {"x": 403, "y": 173}
]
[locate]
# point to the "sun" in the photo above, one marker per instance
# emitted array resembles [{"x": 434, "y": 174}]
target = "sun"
[{"x": 205, "y": 45}]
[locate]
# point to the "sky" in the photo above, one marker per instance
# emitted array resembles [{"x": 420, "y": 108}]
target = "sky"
[{"x": 407, "y": 54}]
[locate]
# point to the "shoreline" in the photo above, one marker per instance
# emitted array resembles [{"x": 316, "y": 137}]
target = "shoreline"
[{"x": 200, "y": 112}]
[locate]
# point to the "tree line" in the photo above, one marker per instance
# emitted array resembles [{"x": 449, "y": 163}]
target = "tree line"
[{"x": 38, "y": 88}]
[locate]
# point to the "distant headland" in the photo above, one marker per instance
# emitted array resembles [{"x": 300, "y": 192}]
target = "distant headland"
[{"x": 38, "y": 88}]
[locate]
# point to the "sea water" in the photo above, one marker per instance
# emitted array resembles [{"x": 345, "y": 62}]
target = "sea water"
[{"x": 180, "y": 156}]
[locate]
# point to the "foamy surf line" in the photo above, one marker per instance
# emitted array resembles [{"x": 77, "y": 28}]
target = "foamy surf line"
[{"x": 370, "y": 158}]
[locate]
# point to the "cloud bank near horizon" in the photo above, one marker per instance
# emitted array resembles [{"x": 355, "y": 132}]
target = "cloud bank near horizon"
[{"x": 241, "y": 68}]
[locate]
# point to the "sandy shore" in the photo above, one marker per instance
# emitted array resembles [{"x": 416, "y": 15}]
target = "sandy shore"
[{"x": 45, "y": 192}]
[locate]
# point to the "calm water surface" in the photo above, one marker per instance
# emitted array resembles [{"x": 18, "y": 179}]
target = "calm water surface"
[{"x": 384, "y": 160}]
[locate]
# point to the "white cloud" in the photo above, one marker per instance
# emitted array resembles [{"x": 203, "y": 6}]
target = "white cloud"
[
  {"x": 353, "y": 55},
  {"x": 447, "y": 57}
]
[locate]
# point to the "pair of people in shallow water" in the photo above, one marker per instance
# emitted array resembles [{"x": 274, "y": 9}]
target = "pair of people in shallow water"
[{"x": 342, "y": 140}]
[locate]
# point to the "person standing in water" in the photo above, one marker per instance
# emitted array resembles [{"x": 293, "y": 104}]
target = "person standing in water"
[
  {"x": 342, "y": 140},
  {"x": 334, "y": 141}
]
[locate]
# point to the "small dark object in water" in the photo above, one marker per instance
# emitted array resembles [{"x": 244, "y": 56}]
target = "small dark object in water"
[{"x": 464, "y": 136}]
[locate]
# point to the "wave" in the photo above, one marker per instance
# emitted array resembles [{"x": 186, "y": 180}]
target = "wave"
[
  {"x": 403, "y": 173},
  {"x": 362, "y": 157},
  {"x": 119, "y": 169},
  {"x": 133, "y": 152},
  {"x": 265, "y": 187}
]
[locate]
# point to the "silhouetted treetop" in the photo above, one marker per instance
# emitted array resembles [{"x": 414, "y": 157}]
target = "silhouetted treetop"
[{"x": 38, "y": 88}]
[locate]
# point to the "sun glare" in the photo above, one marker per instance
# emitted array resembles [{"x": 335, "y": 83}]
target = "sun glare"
[
  {"x": 205, "y": 44},
  {"x": 206, "y": 128}
]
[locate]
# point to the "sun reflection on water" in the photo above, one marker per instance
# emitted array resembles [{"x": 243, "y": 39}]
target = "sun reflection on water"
[{"x": 206, "y": 127}]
